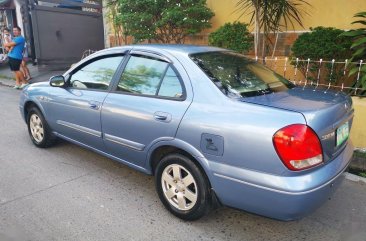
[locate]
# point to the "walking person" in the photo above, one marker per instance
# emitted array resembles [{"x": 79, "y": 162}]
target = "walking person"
[
  {"x": 15, "y": 56},
  {"x": 23, "y": 65}
]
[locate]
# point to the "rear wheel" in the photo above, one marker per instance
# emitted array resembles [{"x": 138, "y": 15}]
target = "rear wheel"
[
  {"x": 39, "y": 131},
  {"x": 182, "y": 187}
]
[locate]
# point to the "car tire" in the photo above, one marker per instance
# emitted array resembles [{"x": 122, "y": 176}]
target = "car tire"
[
  {"x": 38, "y": 129},
  {"x": 182, "y": 187}
]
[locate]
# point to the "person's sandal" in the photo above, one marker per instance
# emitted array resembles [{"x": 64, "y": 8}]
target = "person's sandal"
[
  {"x": 23, "y": 85},
  {"x": 16, "y": 87}
]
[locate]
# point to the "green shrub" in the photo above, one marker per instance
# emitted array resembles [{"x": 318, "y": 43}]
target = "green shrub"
[
  {"x": 234, "y": 36},
  {"x": 322, "y": 43}
]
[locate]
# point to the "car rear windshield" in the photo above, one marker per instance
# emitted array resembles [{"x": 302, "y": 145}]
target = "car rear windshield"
[{"x": 237, "y": 76}]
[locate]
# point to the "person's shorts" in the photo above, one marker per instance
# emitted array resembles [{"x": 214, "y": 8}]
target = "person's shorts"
[{"x": 14, "y": 64}]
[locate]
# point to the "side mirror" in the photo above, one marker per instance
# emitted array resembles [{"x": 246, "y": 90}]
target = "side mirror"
[{"x": 57, "y": 81}]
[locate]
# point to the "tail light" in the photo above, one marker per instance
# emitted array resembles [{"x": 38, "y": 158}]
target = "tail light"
[{"x": 298, "y": 147}]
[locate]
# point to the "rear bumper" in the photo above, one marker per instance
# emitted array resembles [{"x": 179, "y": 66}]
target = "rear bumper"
[{"x": 279, "y": 197}]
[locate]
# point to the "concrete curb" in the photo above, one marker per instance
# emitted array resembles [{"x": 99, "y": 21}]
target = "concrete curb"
[
  {"x": 354, "y": 178},
  {"x": 6, "y": 83}
]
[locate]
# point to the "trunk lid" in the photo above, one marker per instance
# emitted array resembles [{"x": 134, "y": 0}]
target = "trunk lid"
[{"x": 325, "y": 112}]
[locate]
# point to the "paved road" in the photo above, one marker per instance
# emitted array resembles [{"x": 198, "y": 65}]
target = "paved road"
[{"x": 69, "y": 193}]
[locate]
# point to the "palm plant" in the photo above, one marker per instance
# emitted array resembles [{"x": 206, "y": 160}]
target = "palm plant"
[
  {"x": 270, "y": 16},
  {"x": 359, "y": 47}
]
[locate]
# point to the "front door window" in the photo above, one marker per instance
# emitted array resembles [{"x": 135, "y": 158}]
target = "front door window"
[{"x": 96, "y": 75}]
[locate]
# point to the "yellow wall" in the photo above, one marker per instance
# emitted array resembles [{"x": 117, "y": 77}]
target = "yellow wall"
[
  {"x": 358, "y": 131},
  {"x": 329, "y": 13}
]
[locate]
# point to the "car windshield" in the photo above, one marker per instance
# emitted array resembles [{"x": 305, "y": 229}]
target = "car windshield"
[{"x": 237, "y": 76}]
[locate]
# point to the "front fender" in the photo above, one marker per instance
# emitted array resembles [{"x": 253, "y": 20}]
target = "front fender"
[{"x": 26, "y": 100}]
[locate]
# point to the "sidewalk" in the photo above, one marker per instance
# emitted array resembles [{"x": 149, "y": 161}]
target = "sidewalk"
[{"x": 38, "y": 74}]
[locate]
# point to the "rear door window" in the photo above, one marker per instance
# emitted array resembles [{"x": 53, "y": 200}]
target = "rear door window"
[{"x": 145, "y": 75}]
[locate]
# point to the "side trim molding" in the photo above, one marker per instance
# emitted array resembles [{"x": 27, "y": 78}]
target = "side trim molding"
[
  {"x": 80, "y": 128},
  {"x": 123, "y": 142}
]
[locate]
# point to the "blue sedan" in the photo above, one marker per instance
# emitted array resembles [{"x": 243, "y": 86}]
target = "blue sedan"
[{"x": 213, "y": 127}]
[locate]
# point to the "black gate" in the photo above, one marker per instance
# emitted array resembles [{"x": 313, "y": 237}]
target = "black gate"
[{"x": 61, "y": 30}]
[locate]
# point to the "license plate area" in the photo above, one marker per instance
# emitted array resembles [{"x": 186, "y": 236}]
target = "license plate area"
[{"x": 342, "y": 134}]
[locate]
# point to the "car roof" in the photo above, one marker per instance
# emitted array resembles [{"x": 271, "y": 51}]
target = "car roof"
[{"x": 173, "y": 48}]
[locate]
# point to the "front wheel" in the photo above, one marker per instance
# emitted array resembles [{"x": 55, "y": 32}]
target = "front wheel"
[
  {"x": 182, "y": 187},
  {"x": 39, "y": 131}
]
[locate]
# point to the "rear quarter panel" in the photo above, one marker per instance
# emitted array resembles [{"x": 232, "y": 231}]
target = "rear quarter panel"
[{"x": 246, "y": 129}]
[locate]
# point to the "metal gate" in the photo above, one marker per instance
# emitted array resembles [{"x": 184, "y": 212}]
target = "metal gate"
[{"x": 61, "y": 30}]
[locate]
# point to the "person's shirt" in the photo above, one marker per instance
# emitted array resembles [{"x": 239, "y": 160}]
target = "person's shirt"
[{"x": 17, "y": 51}]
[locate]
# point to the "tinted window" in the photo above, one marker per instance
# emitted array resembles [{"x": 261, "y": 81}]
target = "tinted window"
[
  {"x": 142, "y": 75},
  {"x": 149, "y": 76},
  {"x": 237, "y": 76},
  {"x": 171, "y": 87},
  {"x": 96, "y": 75}
]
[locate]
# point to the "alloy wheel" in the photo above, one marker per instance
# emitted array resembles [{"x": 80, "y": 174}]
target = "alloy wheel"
[
  {"x": 36, "y": 128},
  {"x": 179, "y": 187}
]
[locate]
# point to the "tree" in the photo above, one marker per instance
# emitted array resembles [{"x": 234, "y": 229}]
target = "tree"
[
  {"x": 164, "y": 21},
  {"x": 118, "y": 29},
  {"x": 270, "y": 16}
]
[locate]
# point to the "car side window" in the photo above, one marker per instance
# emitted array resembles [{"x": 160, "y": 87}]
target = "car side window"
[
  {"x": 149, "y": 76},
  {"x": 96, "y": 75},
  {"x": 171, "y": 86}
]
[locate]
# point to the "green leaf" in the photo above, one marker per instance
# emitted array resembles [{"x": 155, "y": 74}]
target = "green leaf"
[
  {"x": 361, "y": 14},
  {"x": 363, "y": 81},
  {"x": 363, "y": 22},
  {"x": 353, "y": 33},
  {"x": 353, "y": 71},
  {"x": 359, "y": 52},
  {"x": 358, "y": 42}
]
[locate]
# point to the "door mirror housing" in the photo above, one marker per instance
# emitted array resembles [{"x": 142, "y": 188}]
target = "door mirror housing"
[{"x": 57, "y": 81}]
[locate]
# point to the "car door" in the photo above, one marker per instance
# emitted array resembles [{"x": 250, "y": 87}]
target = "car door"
[
  {"x": 75, "y": 110},
  {"x": 146, "y": 106}
]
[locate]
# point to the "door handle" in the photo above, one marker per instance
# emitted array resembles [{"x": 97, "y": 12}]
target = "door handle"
[
  {"x": 162, "y": 116},
  {"x": 94, "y": 105}
]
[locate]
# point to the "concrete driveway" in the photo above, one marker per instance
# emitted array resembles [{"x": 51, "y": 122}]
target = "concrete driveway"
[{"x": 69, "y": 193}]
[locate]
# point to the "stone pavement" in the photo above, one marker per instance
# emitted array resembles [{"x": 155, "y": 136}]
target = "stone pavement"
[{"x": 38, "y": 74}]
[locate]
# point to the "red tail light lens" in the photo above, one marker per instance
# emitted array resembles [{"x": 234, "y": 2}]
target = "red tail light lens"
[{"x": 298, "y": 147}]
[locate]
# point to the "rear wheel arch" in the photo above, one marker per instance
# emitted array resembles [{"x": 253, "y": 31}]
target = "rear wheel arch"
[
  {"x": 163, "y": 162},
  {"x": 165, "y": 150}
]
